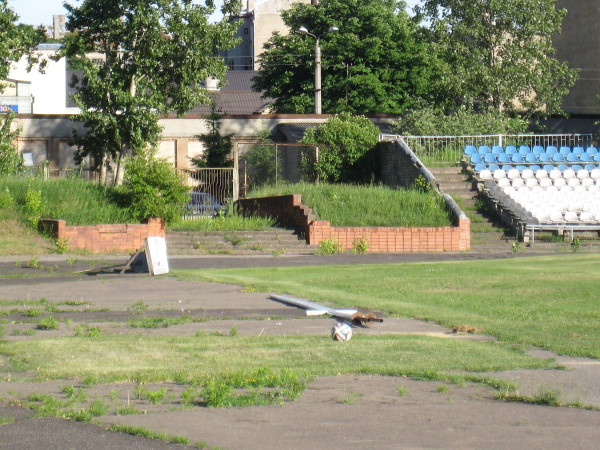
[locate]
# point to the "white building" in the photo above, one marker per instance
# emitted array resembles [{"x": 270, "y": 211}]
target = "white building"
[{"x": 39, "y": 92}]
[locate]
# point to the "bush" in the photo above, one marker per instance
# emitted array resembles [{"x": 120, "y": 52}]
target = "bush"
[
  {"x": 153, "y": 189},
  {"x": 11, "y": 162},
  {"x": 348, "y": 149},
  {"x": 428, "y": 121}
]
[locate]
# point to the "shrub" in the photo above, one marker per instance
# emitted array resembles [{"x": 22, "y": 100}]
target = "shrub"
[
  {"x": 153, "y": 189},
  {"x": 11, "y": 162},
  {"x": 348, "y": 149}
]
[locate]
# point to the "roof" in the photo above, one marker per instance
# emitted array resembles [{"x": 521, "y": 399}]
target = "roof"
[{"x": 236, "y": 97}]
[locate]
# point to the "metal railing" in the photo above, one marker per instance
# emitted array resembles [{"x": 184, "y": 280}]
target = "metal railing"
[
  {"x": 219, "y": 182},
  {"x": 449, "y": 149}
]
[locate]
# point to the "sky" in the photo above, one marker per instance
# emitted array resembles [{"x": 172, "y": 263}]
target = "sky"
[{"x": 36, "y": 12}]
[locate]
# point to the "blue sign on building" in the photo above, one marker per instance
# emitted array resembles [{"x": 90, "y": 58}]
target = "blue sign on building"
[{"x": 4, "y": 109}]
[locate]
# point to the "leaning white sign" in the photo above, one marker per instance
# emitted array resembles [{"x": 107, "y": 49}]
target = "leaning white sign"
[{"x": 156, "y": 255}]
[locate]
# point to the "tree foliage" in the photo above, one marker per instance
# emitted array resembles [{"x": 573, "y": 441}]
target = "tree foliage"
[
  {"x": 348, "y": 144},
  {"x": 139, "y": 59},
  {"x": 428, "y": 121},
  {"x": 499, "y": 52},
  {"x": 11, "y": 162},
  {"x": 153, "y": 189},
  {"x": 217, "y": 146},
  {"x": 378, "y": 62},
  {"x": 16, "y": 40}
]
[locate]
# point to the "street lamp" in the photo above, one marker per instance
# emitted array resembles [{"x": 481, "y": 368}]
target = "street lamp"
[{"x": 303, "y": 30}]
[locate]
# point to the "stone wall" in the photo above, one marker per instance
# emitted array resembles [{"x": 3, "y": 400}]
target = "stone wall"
[
  {"x": 103, "y": 238},
  {"x": 290, "y": 212}
]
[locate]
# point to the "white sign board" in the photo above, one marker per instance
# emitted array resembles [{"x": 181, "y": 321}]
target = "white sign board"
[{"x": 156, "y": 255}]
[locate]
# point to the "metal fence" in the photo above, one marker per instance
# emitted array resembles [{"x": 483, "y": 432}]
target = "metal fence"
[
  {"x": 449, "y": 149},
  {"x": 268, "y": 163},
  {"x": 219, "y": 182}
]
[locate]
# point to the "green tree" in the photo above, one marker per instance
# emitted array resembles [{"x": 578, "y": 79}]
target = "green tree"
[
  {"x": 264, "y": 161},
  {"x": 499, "y": 53},
  {"x": 11, "y": 162},
  {"x": 346, "y": 148},
  {"x": 140, "y": 59},
  {"x": 153, "y": 189},
  {"x": 217, "y": 146},
  {"x": 429, "y": 121},
  {"x": 16, "y": 41},
  {"x": 378, "y": 62}
]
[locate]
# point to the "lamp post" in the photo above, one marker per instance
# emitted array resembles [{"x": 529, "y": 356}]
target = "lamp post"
[{"x": 303, "y": 30}]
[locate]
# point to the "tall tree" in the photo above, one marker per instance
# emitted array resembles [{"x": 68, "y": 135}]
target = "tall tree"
[
  {"x": 140, "y": 59},
  {"x": 376, "y": 63},
  {"x": 16, "y": 41},
  {"x": 499, "y": 52}
]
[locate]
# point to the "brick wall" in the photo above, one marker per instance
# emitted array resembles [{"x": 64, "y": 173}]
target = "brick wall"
[
  {"x": 290, "y": 212},
  {"x": 104, "y": 238}
]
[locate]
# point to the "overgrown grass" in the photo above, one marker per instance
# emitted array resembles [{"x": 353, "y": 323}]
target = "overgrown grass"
[
  {"x": 184, "y": 359},
  {"x": 77, "y": 201},
  {"x": 230, "y": 222},
  {"x": 348, "y": 205},
  {"x": 550, "y": 302}
]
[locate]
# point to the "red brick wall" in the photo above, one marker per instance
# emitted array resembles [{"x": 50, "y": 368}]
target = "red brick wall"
[
  {"x": 290, "y": 212},
  {"x": 104, "y": 238}
]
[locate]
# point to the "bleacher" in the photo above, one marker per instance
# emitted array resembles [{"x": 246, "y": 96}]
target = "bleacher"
[{"x": 540, "y": 188}]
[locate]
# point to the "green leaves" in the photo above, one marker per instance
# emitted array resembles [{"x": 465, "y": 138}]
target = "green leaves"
[
  {"x": 347, "y": 140},
  {"x": 499, "y": 52},
  {"x": 149, "y": 59},
  {"x": 376, "y": 63}
]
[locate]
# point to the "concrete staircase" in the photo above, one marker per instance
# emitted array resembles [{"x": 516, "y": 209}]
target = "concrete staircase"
[
  {"x": 487, "y": 233},
  {"x": 273, "y": 241}
]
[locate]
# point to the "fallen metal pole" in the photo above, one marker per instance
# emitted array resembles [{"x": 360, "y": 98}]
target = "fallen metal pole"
[{"x": 313, "y": 309}]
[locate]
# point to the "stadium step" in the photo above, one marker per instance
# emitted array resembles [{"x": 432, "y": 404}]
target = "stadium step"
[{"x": 271, "y": 241}]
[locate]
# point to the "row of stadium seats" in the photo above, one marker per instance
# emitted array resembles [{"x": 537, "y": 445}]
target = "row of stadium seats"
[
  {"x": 551, "y": 205},
  {"x": 536, "y": 159},
  {"x": 525, "y": 150}
]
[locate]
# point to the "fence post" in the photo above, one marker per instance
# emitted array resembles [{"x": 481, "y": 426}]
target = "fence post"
[{"x": 236, "y": 173}]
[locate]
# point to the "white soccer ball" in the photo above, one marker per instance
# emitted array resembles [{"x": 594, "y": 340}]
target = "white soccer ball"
[{"x": 341, "y": 332}]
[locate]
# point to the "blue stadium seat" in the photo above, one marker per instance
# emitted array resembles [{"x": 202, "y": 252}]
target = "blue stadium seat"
[
  {"x": 470, "y": 149},
  {"x": 548, "y": 167},
  {"x": 535, "y": 167},
  {"x": 538, "y": 150},
  {"x": 562, "y": 167},
  {"x": 493, "y": 167},
  {"x": 558, "y": 157},
  {"x": 576, "y": 167},
  {"x": 584, "y": 157},
  {"x": 589, "y": 167},
  {"x": 476, "y": 158},
  {"x": 503, "y": 158},
  {"x": 544, "y": 157},
  {"x": 578, "y": 150},
  {"x": 531, "y": 158},
  {"x": 565, "y": 150},
  {"x": 496, "y": 150},
  {"x": 489, "y": 158},
  {"x": 517, "y": 158},
  {"x": 524, "y": 149},
  {"x": 551, "y": 150},
  {"x": 506, "y": 167},
  {"x": 510, "y": 150},
  {"x": 571, "y": 157},
  {"x": 520, "y": 167},
  {"x": 591, "y": 151},
  {"x": 597, "y": 157},
  {"x": 479, "y": 167},
  {"x": 483, "y": 150}
]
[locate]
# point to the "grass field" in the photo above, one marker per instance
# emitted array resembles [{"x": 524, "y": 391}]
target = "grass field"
[
  {"x": 548, "y": 302},
  {"x": 368, "y": 206}
]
